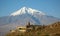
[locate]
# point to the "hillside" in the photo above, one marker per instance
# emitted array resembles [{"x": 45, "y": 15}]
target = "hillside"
[
  {"x": 49, "y": 30},
  {"x": 53, "y": 29}
]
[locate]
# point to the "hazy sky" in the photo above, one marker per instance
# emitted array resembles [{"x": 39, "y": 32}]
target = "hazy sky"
[{"x": 49, "y": 7}]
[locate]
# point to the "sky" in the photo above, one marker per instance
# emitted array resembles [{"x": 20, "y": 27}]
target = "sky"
[{"x": 49, "y": 7}]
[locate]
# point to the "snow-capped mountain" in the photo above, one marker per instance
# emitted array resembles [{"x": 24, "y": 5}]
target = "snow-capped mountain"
[
  {"x": 25, "y": 10},
  {"x": 24, "y": 15}
]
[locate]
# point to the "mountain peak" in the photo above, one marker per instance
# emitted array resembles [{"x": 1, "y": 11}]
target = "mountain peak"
[{"x": 24, "y": 10}]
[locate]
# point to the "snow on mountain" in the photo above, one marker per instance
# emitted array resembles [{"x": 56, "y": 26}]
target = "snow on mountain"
[{"x": 26, "y": 10}]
